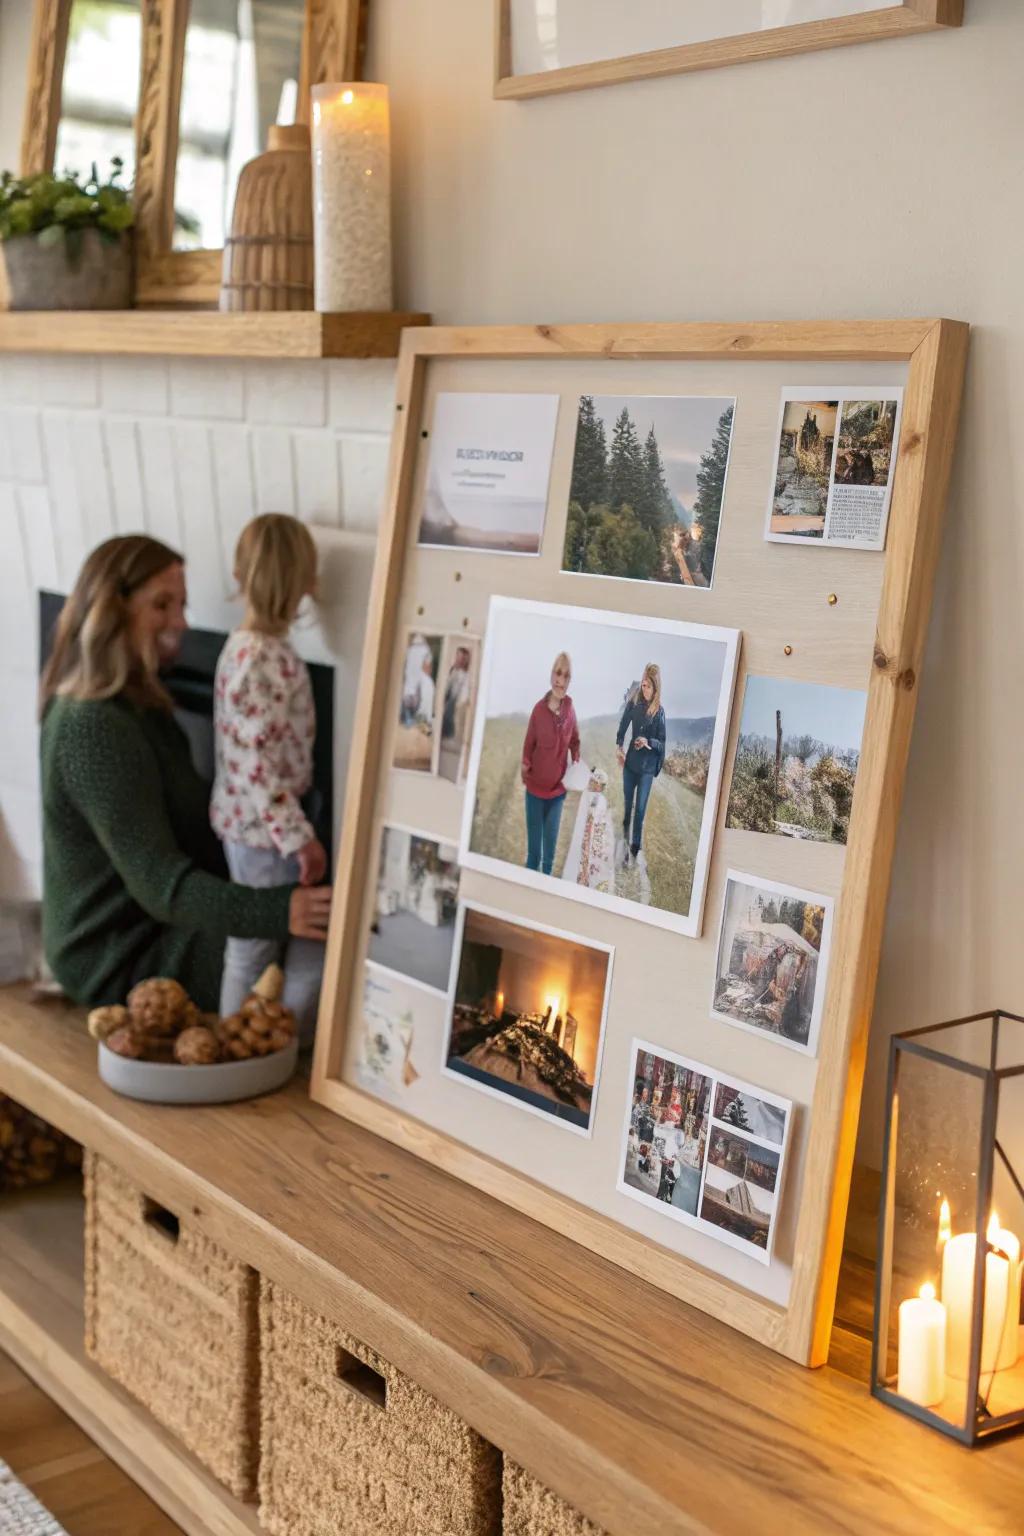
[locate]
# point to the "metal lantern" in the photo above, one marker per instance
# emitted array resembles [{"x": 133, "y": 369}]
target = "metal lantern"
[{"x": 948, "y": 1342}]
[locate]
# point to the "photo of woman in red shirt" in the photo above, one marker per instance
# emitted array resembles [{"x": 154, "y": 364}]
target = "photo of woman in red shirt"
[{"x": 552, "y": 737}]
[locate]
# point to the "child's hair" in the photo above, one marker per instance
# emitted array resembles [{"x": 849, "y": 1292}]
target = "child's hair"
[
  {"x": 275, "y": 566},
  {"x": 599, "y": 777}
]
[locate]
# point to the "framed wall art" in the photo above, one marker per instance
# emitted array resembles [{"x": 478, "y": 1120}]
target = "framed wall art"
[
  {"x": 567, "y": 45},
  {"x": 615, "y": 853}
]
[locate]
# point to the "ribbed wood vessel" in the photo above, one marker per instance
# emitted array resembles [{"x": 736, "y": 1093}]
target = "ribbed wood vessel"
[{"x": 268, "y": 257}]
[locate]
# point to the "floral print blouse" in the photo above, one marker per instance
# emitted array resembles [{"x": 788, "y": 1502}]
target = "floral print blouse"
[{"x": 264, "y": 725}]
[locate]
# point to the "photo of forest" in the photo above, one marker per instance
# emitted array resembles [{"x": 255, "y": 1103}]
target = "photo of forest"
[
  {"x": 796, "y": 759},
  {"x": 648, "y": 482}
]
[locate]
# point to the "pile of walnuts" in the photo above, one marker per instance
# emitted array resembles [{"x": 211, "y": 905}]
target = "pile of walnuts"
[{"x": 162, "y": 1024}]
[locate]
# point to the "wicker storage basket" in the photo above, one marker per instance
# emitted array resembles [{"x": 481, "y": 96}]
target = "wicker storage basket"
[
  {"x": 349, "y": 1444},
  {"x": 530, "y": 1509},
  {"x": 174, "y": 1319}
]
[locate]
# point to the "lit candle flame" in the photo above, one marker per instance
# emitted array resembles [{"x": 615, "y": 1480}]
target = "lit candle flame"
[
  {"x": 945, "y": 1229},
  {"x": 993, "y": 1230},
  {"x": 348, "y": 97},
  {"x": 927, "y": 1292}
]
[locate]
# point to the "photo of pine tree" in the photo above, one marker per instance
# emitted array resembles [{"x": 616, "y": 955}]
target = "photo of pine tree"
[{"x": 648, "y": 482}]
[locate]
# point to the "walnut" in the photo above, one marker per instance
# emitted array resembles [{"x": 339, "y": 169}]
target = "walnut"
[
  {"x": 125, "y": 1042},
  {"x": 161, "y": 1007},
  {"x": 252, "y": 1032},
  {"x": 197, "y": 1047},
  {"x": 102, "y": 1022}
]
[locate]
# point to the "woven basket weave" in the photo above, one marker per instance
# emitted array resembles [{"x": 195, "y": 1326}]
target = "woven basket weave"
[
  {"x": 175, "y": 1320},
  {"x": 530, "y": 1509},
  {"x": 349, "y": 1444},
  {"x": 268, "y": 256}
]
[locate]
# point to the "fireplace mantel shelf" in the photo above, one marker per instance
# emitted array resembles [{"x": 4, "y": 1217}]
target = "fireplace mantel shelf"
[{"x": 206, "y": 333}]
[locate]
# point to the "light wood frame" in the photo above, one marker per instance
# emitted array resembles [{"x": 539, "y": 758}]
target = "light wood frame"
[
  {"x": 332, "y": 45},
  {"x": 804, "y": 37},
  {"x": 935, "y": 351}
]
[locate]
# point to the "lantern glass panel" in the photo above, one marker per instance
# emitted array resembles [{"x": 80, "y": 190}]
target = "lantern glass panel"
[{"x": 948, "y": 1324}]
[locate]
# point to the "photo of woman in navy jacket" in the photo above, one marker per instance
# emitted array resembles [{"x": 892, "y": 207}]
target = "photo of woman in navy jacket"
[{"x": 643, "y": 721}]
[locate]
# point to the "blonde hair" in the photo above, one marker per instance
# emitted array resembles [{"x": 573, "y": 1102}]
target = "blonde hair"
[
  {"x": 275, "y": 566},
  {"x": 653, "y": 671},
  {"x": 92, "y": 656}
]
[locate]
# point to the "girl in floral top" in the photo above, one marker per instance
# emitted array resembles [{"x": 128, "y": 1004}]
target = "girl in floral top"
[{"x": 264, "y": 728}]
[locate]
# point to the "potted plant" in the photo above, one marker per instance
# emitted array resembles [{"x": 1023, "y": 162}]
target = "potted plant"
[{"x": 65, "y": 243}]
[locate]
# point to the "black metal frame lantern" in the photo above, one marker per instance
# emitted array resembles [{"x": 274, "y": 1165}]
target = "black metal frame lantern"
[{"x": 948, "y": 1341}]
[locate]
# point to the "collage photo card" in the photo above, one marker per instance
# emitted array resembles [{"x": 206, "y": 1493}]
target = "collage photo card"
[
  {"x": 703, "y": 1148},
  {"x": 834, "y": 466},
  {"x": 440, "y": 674}
]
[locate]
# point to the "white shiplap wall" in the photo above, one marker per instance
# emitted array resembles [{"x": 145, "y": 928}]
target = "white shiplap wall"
[{"x": 188, "y": 450}]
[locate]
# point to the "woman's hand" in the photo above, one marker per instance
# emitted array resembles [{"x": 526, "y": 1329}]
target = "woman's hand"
[
  {"x": 621, "y": 757},
  {"x": 523, "y": 770},
  {"x": 312, "y": 860},
  {"x": 641, "y": 741},
  {"x": 309, "y": 911}
]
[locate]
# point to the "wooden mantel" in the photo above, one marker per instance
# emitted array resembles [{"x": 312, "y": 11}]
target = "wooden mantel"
[
  {"x": 206, "y": 333},
  {"x": 649, "y": 1416}
]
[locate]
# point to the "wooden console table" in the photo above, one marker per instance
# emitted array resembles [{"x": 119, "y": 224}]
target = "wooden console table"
[{"x": 645, "y": 1414}]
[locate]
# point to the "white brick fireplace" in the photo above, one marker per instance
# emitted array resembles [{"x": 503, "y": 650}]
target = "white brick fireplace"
[{"x": 188, "y": 450}]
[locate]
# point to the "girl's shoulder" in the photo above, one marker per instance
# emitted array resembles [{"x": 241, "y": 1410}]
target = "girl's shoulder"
[{"x": 251, "y": 647}]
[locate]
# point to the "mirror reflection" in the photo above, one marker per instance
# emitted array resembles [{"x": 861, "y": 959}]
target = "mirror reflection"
[
  {"x": 241, "y": 74},
  {"x": 100, "y": 87}
]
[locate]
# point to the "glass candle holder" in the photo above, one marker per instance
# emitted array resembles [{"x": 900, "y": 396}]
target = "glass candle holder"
[
  {"x": 948, "y": 1339},
  {"x": 351, "y": 197}
]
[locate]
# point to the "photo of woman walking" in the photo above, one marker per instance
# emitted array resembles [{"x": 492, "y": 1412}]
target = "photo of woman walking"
[
  {"x": 552, "y": 737},
  {"x": 643, "y": 721},
  {"x": 643, "y": 703}
]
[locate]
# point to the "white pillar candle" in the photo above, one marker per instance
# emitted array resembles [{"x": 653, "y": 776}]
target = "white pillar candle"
[
  {"x": 958, "y": 1297},
  {"x": 1008, "y": 1242},
  {"x": 921, "y": 1368},
  {"x": 351, "y": 197}
]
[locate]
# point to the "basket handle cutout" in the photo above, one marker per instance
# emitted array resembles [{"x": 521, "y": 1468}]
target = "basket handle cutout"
[
  {"x": 362, "y": 1379},
  {"x": 161, "y": 1219}
]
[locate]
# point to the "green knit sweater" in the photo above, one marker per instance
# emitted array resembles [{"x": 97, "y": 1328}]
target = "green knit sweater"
[{"x": 133, "y": 877}]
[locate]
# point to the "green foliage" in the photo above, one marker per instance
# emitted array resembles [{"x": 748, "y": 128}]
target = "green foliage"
[
  {"x": 707, "y": 509},
  {"x": 625, "y": 464},
  {"x": 58, "y": 209},
  {"x": 621, "y": 512}
]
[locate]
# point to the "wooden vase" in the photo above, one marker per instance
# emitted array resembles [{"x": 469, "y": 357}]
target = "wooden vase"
[{"x": 268, "y": 256}]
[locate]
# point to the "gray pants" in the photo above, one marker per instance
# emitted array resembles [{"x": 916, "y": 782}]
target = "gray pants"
[{"x": 246, "y": 959}]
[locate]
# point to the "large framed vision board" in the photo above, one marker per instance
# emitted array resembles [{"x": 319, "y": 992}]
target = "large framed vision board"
[{"x": 647, "y": 623}]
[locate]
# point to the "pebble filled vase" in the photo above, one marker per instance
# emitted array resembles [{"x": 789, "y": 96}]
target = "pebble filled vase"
[{"x": 351, "y": 197}]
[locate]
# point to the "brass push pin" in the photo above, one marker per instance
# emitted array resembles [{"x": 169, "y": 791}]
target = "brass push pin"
[{"x": 832, "y": 599}]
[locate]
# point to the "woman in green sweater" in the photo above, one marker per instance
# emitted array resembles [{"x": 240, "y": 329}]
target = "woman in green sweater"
[{"x": 133, "y": 878}]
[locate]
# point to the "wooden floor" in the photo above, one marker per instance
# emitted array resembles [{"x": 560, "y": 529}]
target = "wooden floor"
[{"x": 83, "y": 1489}]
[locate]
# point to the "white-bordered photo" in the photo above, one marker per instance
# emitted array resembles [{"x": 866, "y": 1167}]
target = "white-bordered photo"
[
  {"x": 678, "y": 1158},
  {"x": 648, "y": 482},
  {"x": 489, "y": 472},
  {"x": 527, "y": 1010},
  {"x": 415, "y": 747},
  {"x": 415, "y": 904},
  {"x": 796, "y": 762},
  {"x": 771, "y": 964},
  {"x": 596, "y": 761},
  {"x": 459, "y": 680},
  {"x": 834, "y": 465}
]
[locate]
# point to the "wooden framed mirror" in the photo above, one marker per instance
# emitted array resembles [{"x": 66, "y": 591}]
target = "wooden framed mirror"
[{"x": 184, "y": 92}]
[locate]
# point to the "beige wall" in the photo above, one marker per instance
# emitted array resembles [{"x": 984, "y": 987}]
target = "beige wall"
[{"x": 684, "y": 199}]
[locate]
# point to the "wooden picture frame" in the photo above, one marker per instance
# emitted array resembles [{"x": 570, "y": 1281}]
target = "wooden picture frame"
[
  {"x": 934, "y": 353},
  {"x": 333, "y": 42},
  {"x": 804, "y": 37}
]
